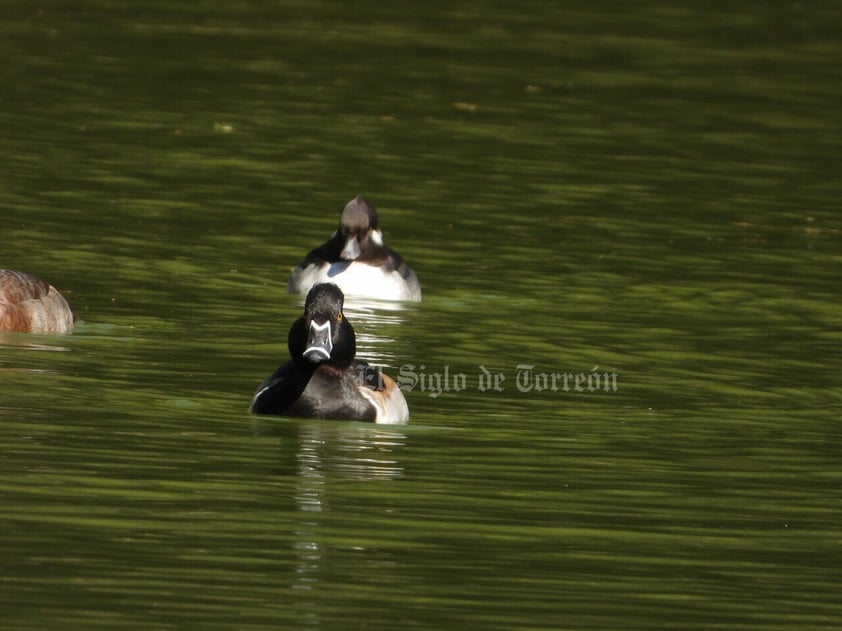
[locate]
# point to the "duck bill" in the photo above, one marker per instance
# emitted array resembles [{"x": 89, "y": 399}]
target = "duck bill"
[
  {"x": 319, "y": 344},
  {"x": 351, "y": 250}
]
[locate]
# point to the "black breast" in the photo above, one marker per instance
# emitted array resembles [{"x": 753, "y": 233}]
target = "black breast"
[{"x": 333, "y": 394}]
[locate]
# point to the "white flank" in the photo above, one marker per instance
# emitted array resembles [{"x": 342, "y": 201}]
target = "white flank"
[
  {"x": 357, "y": 279},
  {"x": 392, "y": 411}
]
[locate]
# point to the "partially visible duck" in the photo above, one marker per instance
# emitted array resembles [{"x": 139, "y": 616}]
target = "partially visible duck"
[
  {"x": 357, "y": 260},
  {"x": 29, "y": 305},
  {"x": 323, "y": 379}
]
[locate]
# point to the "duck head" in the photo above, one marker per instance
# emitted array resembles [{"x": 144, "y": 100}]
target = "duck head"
[
  {"x": 358, "y": 229},
  {"x": 323, "y": 335}
]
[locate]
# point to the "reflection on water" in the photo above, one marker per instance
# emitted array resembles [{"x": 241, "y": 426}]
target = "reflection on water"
[
  {"x": 14, "y": 348},
  {"x": 329, "y": 451},
  {"x": 348, "y": 450},
  {"x": 29, "y": 342},
  {"x": 377, "y": 325}
]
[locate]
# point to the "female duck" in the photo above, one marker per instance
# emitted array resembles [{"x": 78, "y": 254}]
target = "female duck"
[
  {"x": 29, "y": 305},
  {"x": 323, "y": 380},
  {"x": 357, "y": 260}
]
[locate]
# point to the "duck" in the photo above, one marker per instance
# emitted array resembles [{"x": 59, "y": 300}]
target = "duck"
[
  {"x": 323, "y": 378},
  {"x": 31, "y": 305},
  {"x": 356, "y": 258}
]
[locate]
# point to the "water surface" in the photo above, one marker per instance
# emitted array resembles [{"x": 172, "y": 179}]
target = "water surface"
[{"x": 646, "y": 190}]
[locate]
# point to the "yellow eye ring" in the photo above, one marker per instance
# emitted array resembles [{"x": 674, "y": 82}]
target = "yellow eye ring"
[{"x": 339, "y": 317}]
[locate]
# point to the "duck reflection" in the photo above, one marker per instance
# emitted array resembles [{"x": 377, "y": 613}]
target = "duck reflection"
[
  {"x": 14, "y": 345},
  {"x": 359, "y": 452},
  {"x": 26, "y": 343},
  {"x": 327, "y": 451}
]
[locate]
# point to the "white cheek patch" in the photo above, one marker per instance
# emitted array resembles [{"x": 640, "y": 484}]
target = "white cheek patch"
[
  {"x": 377, "y": 237},
  {"x": 351, "y": 250}
]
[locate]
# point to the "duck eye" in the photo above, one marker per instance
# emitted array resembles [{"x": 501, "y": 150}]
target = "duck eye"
[{"x": 339, "y": 318}]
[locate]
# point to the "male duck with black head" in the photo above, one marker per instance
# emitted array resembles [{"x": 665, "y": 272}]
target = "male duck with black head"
[
  {"x": 30, "y": 305},
  {"x": 358, "y": 260},
  {"x": 324, "y": 379}
]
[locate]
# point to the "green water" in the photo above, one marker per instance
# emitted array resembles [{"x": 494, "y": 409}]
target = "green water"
[{"x": 646, "y": 190}]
